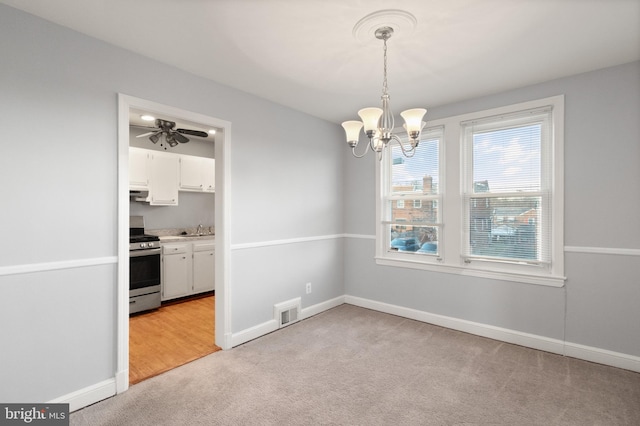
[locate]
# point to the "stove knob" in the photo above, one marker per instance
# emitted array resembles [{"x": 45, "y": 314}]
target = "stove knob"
[
  {"x": 150, "y": 245},
  {"x": 143, "y": 245}
]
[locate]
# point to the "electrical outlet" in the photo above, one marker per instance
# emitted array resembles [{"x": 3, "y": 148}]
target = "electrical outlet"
[{"x": 308, "y": 288}]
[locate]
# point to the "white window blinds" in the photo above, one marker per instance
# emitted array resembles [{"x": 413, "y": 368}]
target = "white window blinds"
[{"x": 507, "y": 188}]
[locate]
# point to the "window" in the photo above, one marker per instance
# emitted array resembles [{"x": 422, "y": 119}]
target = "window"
[
  {"x": 501, "y": 216},
  {"x": 507, "y": 171},
  {"x": 412, "y": 228}
]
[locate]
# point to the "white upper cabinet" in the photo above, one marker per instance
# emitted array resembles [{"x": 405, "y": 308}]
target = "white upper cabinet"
[
  {"x": 191, "y": 173},
  {"x": 209, "y": 174},
  {"x": 163, "y": 174},
  {"x": 164, "y": 179},
  {"x": 138, "y": 169},
  {"x": 197, "y": 173}
]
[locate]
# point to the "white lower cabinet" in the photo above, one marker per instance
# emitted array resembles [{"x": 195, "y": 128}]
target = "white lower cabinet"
[
  {"x": 176, "y": 268},
  {"x": 204, "y": 267},
  {"x": 187, "y": 268}
]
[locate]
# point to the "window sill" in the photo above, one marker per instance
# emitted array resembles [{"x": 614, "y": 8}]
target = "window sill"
[{"x": 545, "y": 280}]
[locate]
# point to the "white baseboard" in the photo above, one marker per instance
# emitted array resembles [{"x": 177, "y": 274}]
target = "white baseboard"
[
  {"x": 272, "y": 325},
  {"x": 253, "y": 332},
  {"x": 603, "y": 356},
  {"x": 89, "y": 395},
  {"x": 321, "y": 307},
  {"x": 587, "y": 353},
  {"x": 122, "y": 380}
]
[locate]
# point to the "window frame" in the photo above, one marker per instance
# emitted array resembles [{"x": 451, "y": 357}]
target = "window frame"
[
  {"x": 451, "y": 256},
  {"x": 382, "y": 236}
]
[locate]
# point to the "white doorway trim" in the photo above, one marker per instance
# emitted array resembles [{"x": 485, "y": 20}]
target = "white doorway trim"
[{"x": 222, "y": 226}]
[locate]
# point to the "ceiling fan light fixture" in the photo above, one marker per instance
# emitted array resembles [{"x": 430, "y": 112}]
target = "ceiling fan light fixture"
[
  {"x": 155, "y": 137},
  {"x": 171, "y": 140}
]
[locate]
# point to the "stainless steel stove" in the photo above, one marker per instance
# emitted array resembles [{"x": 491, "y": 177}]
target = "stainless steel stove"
[{"x": 144, "y": 268}]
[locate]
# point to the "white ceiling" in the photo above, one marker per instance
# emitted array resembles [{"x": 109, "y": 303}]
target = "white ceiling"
[{"x": 302, "y": 53}]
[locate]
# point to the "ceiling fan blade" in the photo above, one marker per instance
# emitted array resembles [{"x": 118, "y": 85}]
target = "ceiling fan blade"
[
  {"x": 198, "y": 133},
  {"x": 146, "y": 134},
  {"x": 180, "y": 138}
]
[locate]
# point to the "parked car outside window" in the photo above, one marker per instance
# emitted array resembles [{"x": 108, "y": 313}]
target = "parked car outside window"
[
  {"x": 405, "y": 244},
  {"x": 429, "y": 247}
]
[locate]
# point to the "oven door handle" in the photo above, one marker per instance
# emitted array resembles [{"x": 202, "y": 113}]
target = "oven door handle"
[{"x": 146, "y": 252}]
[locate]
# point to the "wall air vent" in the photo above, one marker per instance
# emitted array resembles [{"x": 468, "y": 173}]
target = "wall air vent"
[{"x": 287, "y": 312}]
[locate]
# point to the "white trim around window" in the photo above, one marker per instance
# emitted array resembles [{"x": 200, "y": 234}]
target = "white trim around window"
[{"x": 453, "y": 250}]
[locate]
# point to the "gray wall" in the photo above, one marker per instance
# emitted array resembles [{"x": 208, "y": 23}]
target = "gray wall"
[
  {"x": 58, "y": 112},
  {"x": 602, "y": 172}
]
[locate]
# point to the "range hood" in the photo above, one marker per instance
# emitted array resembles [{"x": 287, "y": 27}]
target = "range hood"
[{"x": 140, "y": 196}]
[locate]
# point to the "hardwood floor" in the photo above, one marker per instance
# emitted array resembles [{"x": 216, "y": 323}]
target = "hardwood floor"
[{"x": 170, "y": 336}]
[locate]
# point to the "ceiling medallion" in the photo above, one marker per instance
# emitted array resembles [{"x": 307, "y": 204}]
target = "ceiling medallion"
[{"x": 403, "y": 23}]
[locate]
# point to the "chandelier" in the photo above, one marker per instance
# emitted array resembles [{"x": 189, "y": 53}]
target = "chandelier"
[{"x": 378, "y": 123}]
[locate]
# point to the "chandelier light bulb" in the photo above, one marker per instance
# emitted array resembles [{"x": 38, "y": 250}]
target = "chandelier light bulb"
[
  {"x": 413, "y": 121},
  {"x": 370, "y": 117},
  {"x": 352, "y": 129}
]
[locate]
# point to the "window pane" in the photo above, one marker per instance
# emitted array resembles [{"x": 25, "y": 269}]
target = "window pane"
[
  {"x": 410, "y": 210},
  {"x": 417, "y": 174},
  {"x": 414, "y": 239},
  {"x": 507, "y": 160},
  {"x": 505, "y": 227}
]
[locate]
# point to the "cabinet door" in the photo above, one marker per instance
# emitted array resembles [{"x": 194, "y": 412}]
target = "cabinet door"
[
  {"x": 209, "y": 174},
  {"x": 191, "y": 173},
  {"x": 164, "y": 179},
  {"x": 175, "y": 279},
  {"x": 138, "y": 169},
  {"x": 204, "y": 271}
]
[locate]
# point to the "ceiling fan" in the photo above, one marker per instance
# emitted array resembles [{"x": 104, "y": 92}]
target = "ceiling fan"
[{"x": 171, "y": 136}]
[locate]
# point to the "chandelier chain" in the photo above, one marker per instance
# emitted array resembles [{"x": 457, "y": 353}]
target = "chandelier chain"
[{"x": 384, "y": 81}]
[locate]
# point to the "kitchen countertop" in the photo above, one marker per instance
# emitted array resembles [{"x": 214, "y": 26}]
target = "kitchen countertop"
[
  {"x": 183, "y": 234},
  {"x": 176, "y": 238}
]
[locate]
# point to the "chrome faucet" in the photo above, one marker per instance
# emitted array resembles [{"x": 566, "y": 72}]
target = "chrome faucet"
[{"x": 200, "y": 229}]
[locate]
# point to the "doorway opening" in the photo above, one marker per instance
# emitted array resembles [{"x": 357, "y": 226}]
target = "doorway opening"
[{"x": 206, "y": 309}]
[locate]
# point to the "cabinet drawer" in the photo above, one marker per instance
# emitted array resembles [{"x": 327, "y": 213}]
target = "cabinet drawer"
[
  {"x": 174, "y": 248},
  {"x": 204, "y": 246}
]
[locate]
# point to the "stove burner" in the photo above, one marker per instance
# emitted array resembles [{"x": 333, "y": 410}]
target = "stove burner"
[{"x": 142, "y": 238}]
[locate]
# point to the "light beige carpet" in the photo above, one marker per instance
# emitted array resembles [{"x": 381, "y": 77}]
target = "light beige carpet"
[{"x": 353, "y": 366}]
